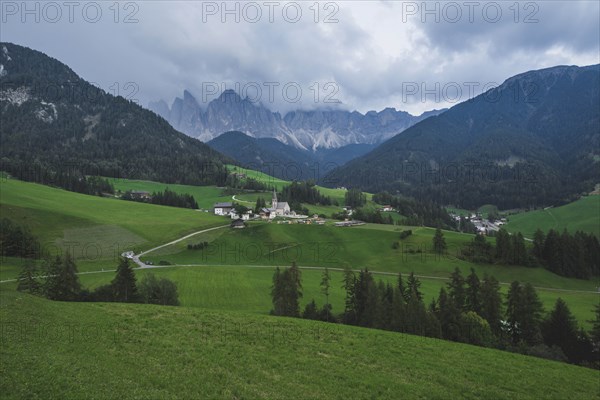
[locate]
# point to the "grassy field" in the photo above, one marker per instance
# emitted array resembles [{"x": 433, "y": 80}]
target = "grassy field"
[
  {"x": 78, "y": 350},
  {"x": 95, "y": 228},
  {"x": 580, "y": 215}
]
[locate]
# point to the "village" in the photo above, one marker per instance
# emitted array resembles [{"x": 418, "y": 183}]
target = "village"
[{"x": 280, "y": 210}]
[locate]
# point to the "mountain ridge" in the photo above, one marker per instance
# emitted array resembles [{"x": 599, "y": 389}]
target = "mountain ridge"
[{"x": 306, "y": 130}]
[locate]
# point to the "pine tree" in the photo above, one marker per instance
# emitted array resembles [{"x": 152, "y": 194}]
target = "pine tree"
[
  {"x": 531, "y": 317},
  {"x": 325, "y": 286},
  {"x": 538, "y": 244},
  {"x": 439, "y": 243},
  {"x": 560, "y": 329},
  {"x": 70, "y": 279},
  {"x": 473, "y": 293},
  {"x": 311, "y": 311},
  {"x": 503, "y": 246},
  {"x": 449, "y": 317},
  {"x": 402, "y": 288},
  {"x": 513, "y": 299},
  {"x": 277, "y": 293},
  {"x": 349, "y": 285},
  {"x": 124, "y": 283},
  {"x": 491, "y": 304},
  {"x": 413, "y": 288},
  {"x": 456, "y": 289}
]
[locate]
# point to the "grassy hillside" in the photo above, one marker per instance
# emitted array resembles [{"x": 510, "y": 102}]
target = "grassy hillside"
[
  {"x": 76, "y": 350},
  {"x": 95, "y": 228},
  {"x": 581, "y": 215}
]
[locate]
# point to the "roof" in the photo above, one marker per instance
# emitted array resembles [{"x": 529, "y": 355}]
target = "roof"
[
  {"x": 283, "y": 204},
  {"x": 222, "y": 205},
  {"x": 238, "y": 222}
]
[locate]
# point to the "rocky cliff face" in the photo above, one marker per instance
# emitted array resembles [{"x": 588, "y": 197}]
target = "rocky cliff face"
[{"x": 307, "y": 130}]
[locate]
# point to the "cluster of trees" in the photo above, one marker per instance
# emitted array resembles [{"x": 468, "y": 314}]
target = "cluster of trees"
[
  {"x": 355, "y": 198},
  {"x": 568, "y": 255},
  {"x": 304, "y": 192},
  {"x": 67, "y": 178},
  {"x": 197, "y": 246},
  {"x": 467, "y": 310},
  {"x": 58, "y": 280},
  {"x": 417, "y": 213},
  {"x": 576, "y": 256},
  {"x": 372, "y": 216},
  {"x": 234, "y": 184},
  {"x": 17, "y": 241},
  {"x": 166, "y": 198}
]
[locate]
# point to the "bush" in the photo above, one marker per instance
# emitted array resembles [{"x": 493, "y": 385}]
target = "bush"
[{"x": 158, "y": 291}]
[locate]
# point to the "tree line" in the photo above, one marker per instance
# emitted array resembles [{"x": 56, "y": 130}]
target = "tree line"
[
  {"x": 573, "y": 256},
  {"x": 57, "y": 279},
  {"x": 304, "y": 192},
  {"x": 165, "y": 198},
  {"x": 67, "y": 178},
  {"x": 467, "y": 310}
]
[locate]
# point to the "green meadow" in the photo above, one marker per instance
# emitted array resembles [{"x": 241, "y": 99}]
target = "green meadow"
[
  {"x": 580, "y": 215},
  {"x": 132, "y": 351}
]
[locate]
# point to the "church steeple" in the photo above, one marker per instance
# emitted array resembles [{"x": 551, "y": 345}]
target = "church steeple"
[{"x": 274, "y": 200}]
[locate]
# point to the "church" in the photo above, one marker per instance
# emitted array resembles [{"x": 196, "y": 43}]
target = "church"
[{"x": 279, "y": 208}]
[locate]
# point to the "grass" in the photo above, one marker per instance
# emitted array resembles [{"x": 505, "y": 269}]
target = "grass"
[
  {"x": 93, "y": 350},
  {"x": 94, "y": 227},
  {"x": 580, "y": 215}
]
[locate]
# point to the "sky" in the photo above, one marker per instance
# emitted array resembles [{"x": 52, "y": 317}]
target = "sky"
[{"x": 354, "y": 55}]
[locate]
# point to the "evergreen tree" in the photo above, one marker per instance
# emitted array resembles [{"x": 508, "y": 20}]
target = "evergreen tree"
[
  {"x": 402, "y": 288},
  {"x": 349, "y": 285},
  {"x": 504, "y": 249},
  {"x": 277, "y": 293},
  {"x": 124, "y": 283},
  {"x": 449, "y": 317},
  {"x": 413, "y": 287},
  {"x": 513, "y": 299},
  {"x": 311, "y": 311},
  {"x": 532, "y": 311},
  {"x": 538, "y": 244},
  {"x": 28, "y": 279},
  {"x": 491, "y": 303},
  {"x": 325, "y": 286},
  {"x": 456, "y": 289},
  {"x": 560, "y": 329},
  {"x": 62, "y": 282},
  {"x": 473, "y": 293},
  {"x": 439, "y": 243}
]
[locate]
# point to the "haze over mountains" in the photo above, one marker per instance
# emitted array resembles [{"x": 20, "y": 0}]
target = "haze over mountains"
[
  {"x": 306, "y": 130},
  {"x": 534, "y": 140}
]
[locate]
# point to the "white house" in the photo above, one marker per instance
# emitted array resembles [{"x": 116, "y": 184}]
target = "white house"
[{"x": 223, "y": 208}]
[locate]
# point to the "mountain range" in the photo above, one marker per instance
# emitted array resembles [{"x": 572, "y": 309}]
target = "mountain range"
[
  {"x": 53, "y": 121},
  {"x": 534, "y": 140},
  {"x": 305, "y": 130}
]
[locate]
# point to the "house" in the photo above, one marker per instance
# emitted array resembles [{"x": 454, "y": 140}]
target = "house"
[
  {"x": 222, "y": 208},
  {"x": 348, "y": 210},
  {"x": 386, "y": 208},
  {"x": 238, "y": 224},
  {"x": 245, "y": 216},
  {"x": 140, "y": 195}
]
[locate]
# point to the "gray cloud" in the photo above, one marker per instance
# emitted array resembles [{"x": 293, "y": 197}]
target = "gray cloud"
[{"x": 374, "y": 53}]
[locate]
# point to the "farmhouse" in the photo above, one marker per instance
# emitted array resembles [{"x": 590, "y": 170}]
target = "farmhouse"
[
  {"x": 238, "y": 224},
  {"x": 222, "y": 208},
  {"x": 140, "y": 195}
]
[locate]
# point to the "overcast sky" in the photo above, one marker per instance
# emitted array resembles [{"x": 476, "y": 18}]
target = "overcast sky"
[{"x": 361, "y": 55}]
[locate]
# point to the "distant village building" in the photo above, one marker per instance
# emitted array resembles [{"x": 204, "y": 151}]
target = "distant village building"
[
  {"x": 238, "y": 224},
  {"x": 140, "y": 195},
  {"x": 387, "y": 208},
  {"x": 223, "y": 208}
]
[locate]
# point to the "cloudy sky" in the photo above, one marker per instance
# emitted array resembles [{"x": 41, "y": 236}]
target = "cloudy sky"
[{"x": 359, "y": 55}]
